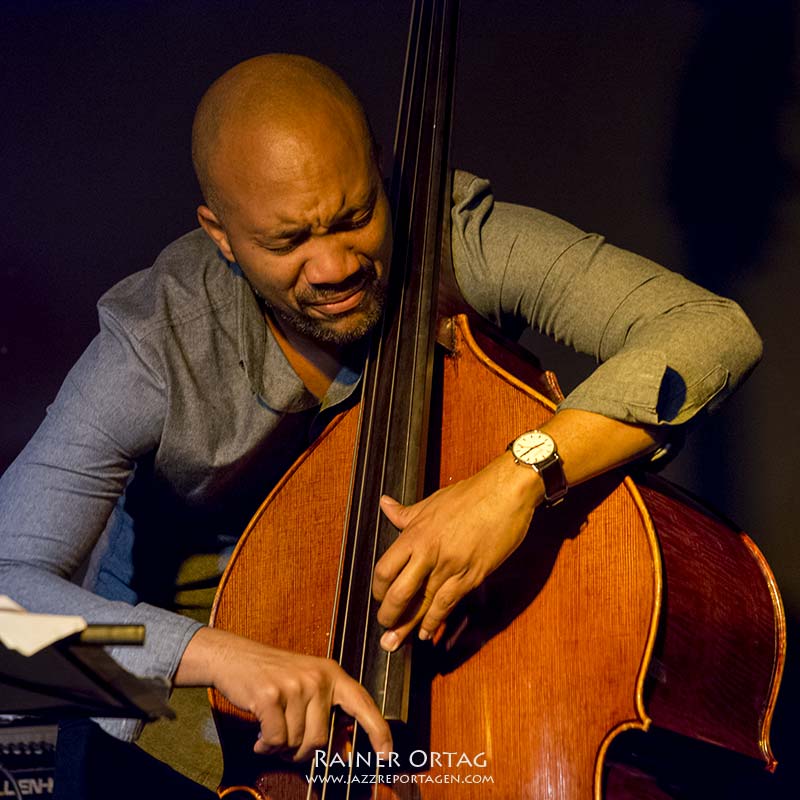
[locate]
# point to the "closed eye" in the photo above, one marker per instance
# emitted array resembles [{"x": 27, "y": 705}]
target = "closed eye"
[
  {"x": 344, "y": 225},
  {"x": 355, "y": 223},
  {"x": 282, "y": 249},
  {"x": 283, "y": 246}
]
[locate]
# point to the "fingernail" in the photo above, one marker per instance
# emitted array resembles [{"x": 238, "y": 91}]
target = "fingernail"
[
  {"x": 424, "y": 635},
  {"x": 389, "y": 641},
  {"x": 390, "y": 500}
]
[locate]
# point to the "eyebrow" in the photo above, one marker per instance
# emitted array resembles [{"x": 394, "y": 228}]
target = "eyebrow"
[{"x": 297, "y": 233}]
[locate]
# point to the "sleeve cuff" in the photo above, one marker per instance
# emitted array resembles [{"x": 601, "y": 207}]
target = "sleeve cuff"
[
  {"x": 167, "y": 636},
  {"x": 639, "y": 387}
]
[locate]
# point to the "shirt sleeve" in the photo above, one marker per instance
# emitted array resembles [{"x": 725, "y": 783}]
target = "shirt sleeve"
[
  {"x": 667, "y": 348},
  {"x": 57, "y": 496}
]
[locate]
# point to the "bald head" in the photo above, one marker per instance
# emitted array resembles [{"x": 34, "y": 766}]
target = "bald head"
[{"x": 269, "y": 108}]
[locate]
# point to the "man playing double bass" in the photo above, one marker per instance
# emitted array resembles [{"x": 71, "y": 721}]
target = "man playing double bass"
[{"x": 215, "y": 368}]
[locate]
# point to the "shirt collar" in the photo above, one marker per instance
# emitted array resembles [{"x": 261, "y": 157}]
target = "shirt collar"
[{"x": 268, "y": 372}]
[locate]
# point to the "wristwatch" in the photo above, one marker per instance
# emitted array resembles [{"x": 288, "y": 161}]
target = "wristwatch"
[{"x": 536, "y": 449}]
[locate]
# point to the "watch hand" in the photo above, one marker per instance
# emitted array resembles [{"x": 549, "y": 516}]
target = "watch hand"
[{"x": 534, "y": 447}]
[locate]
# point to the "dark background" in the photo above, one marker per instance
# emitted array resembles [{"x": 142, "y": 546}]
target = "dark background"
[{"x": 670, "y": 126}]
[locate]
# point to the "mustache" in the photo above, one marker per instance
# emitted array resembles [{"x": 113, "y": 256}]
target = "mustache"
[{"x": 365, "y": 277}]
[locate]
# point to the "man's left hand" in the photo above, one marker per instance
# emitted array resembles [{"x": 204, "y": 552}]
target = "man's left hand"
[{"x": 449, "y": 543}]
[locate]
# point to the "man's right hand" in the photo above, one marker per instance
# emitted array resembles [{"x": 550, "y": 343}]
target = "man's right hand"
[{"x": 290, "y": 694}]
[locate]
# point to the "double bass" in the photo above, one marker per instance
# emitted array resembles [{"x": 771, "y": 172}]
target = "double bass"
[{"x": 628, "y": 606}]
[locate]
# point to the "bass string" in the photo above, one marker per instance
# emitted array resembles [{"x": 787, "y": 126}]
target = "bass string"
[
  {"x": 417, "y": 143},
  {"x": 373, "y": 361}
]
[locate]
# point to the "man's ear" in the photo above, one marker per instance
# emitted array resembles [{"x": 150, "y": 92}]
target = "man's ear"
[{"x": 210, "y": 223}]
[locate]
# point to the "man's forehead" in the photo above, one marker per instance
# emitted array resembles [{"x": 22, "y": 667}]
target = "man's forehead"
[
  {"x": 292, "y": 134},
  {"x": 323, "y": 205},
  {"x": 292, "y": 163}
]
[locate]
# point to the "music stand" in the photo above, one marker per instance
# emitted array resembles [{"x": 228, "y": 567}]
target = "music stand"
[{"x": 75, "y": 677}]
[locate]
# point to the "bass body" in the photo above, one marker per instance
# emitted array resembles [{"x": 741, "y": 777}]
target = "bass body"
[{"x": 624, "y": 607}]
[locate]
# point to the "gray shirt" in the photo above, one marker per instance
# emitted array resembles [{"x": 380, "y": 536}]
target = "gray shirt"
[{"x": 183, "y": 411}]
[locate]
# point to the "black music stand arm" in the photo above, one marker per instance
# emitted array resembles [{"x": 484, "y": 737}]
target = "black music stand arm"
[{"x": 75, "y": 677}]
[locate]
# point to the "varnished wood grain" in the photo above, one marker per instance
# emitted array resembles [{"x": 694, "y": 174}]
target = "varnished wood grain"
[
  {"x": 526, "y": 680},
  {"x": 545, "y": 663},
  {"x": 280, "y": 589},
  {"x": 721, "y": 650},
  {"x": 557, "y": 640}
]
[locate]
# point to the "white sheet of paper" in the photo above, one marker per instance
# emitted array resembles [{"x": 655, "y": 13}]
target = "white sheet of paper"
[{"x": 29, "y": 633}]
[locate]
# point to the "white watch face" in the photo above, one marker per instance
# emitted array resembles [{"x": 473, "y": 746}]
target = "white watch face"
[{"x": 533, "y": 447}]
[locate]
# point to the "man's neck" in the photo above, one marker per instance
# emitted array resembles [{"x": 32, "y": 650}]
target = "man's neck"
[{"x": 316, "y": 364}]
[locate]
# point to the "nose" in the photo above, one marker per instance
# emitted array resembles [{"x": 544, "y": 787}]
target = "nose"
[{"x": 330, "y": 262}]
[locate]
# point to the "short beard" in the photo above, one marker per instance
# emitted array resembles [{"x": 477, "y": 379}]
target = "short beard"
[
  {"x": 320, "y": 331},
  {"x": 369, "y": 314}
]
